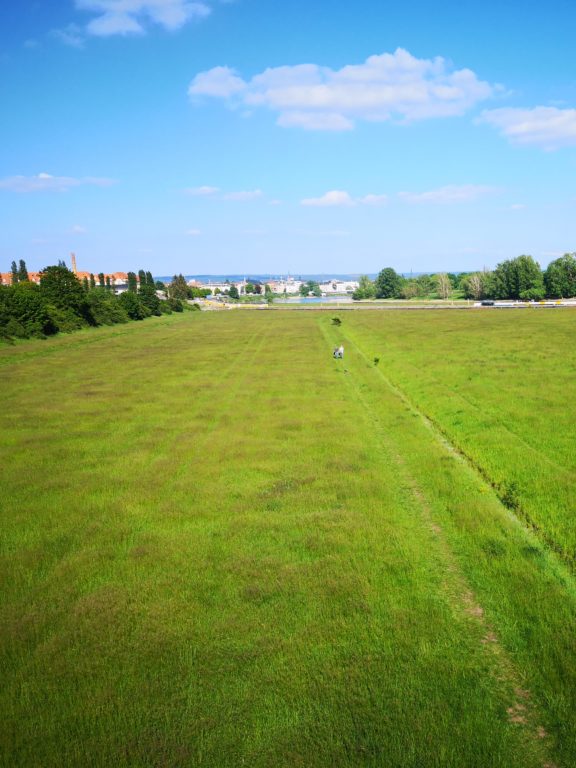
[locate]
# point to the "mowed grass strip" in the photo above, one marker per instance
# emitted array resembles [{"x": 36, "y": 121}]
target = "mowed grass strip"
[
  {"x": 210, "y": 557},
  {"x": 498, "y": 384}
]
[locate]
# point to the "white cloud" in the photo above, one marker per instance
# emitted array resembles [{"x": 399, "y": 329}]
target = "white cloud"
[
  {"x": 124, "y": 17},
  {"x": 46, "y": 182},
  {"x": 77, "y": 229},
  {"x": 243, "y": 195},
  {"x": 338, "y": 197},
  {"x": 70, "y": 35},
  {"x": 202, "y": 191},
  {"x": 193, "y": 232},
  {"x": 220, "y": 82},
  {"x": 213, "y": 192},
  {"x": 517, "y": 207},
  {"x": 384, "y": 87},
  {"x": 548, "y": 127},
  {"x": 449, "y": 194},
  {"x": 373, "y": 200}
]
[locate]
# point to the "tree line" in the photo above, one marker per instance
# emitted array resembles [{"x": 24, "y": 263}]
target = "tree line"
[
  {"x": 62, "y": 303},
  {"x": 518, "y": 279}
]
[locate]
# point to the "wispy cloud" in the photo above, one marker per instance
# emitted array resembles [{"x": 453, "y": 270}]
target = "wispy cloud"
[
  {"x": 126, "y": 17},
  {"x": 548, "y": 127},
  {"x": 448, "y": 194},
  {"x": 341, "y": 198},
  {"x": 384, "y": 87},
  {"x": 71, "y": 35},
  {"x": 77, "y": 229},
  {"x": 216, "y": 192},
  {"x": 202, "y": 191},
  {"x": 193, "y": 232},
  {"x": 46, "y": 182}
]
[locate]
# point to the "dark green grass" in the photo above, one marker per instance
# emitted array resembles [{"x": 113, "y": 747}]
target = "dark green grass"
[{"x": 221, "y": 547}]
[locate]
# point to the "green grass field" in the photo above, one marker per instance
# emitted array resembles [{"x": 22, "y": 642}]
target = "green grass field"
[{"x": 221, "y": 547}]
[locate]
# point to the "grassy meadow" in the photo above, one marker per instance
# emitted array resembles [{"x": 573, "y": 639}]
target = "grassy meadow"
[{"x": 222, "y": 547}]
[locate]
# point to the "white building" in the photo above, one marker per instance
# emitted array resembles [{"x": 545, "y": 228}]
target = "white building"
[{"x": 338, "y": 286}]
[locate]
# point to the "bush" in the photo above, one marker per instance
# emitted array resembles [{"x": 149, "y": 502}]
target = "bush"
[
  {"x": 105, "y": 308},
  {"x": 65, "y": 320},
  {"x": 176, "y": 305},
  {"x": 133, "y": 307}
]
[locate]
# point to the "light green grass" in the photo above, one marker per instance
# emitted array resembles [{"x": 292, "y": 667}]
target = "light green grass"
[{"x": 221, "y": 547}]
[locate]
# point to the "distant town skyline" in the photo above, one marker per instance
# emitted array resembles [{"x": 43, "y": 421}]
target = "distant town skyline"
[{"x": 239, "y": 137}]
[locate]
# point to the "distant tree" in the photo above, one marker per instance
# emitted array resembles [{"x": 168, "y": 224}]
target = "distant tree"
[
  {"x": 560, "y": 277},
  {"x": 198, "y": 293},
  {"x": 454, "y": 279},
  {"x": 519, "y": 278},
  {"x": 388, "y": 284},
  {"x": 178, "y": 288},
  {"x": 108, "y": 283},
  {"x": 141, "y": 278},
  {"x": 365, "y": 290},
  {"x": 147, "y": 293},
  {"x": 65, "y": 299},
  {"x": 92, "y": 281},
  {"x": 85, "y": 285},
  {"x": 101, "y": 280},
  {"x": 310, "y": 287},
  {"x": 443, "y": 285},
  {"x": 159, "y": 285},
  {"x": 410, "y": 289},
  {"x": 425, "y": 285},
  {"x": 474, "y": 286},
  {"x": 132, "y": 282},
  {"x": 14, "y": 276},
  {"x": 258, "y": 289},
  {"x": 233, "y": 292},
  {"x": 22, "y": 271},
  {"x": 150, "y": 280},
  {"x": 249, "y": 288}
]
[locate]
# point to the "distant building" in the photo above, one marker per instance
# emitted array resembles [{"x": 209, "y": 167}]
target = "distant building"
[
  {"x": 285, "y": 285},
  {"x": 338, "y": 286}
]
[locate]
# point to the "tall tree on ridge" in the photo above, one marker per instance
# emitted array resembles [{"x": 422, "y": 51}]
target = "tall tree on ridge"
[{"x": 22, "y": 271}]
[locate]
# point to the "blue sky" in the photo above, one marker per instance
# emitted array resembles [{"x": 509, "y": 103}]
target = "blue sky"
[{"x": 304, "y": 137}]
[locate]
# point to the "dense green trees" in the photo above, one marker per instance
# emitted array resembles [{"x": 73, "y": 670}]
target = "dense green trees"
[
  {"x": 560, "y": 277},
  {"x": 178, "y": 288},
  {"x": 61, "y": 302},
  {"x": 365, "y": 290},
  {"x": 233, "y": 292},
  {"x": 23, "y": 312},
  {"x": 388, "y": 284},
  {"x": 519, "y": 278}
]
